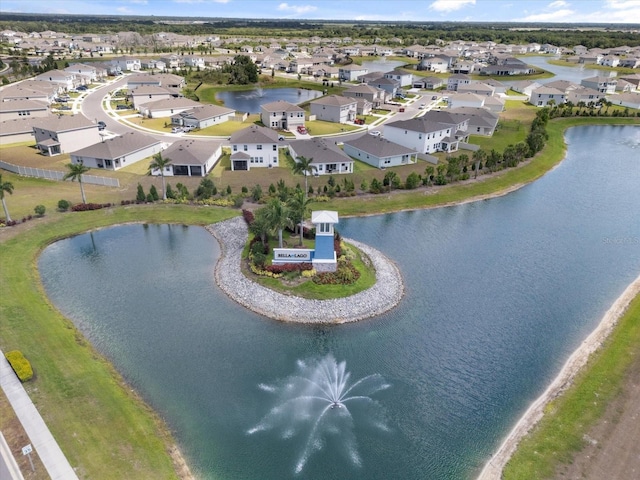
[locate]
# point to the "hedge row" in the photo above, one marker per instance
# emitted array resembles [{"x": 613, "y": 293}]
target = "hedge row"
[{"x": 20, "y": 365}]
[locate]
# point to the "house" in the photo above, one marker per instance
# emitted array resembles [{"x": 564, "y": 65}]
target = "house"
[
  {"x": 526, "y": 87},
  {"x": 494, "y": 103},
  {"x": 117, "y": 152},
  {"x": 149, "y": 93},
  {"x": 629, "y": 100},
  {"x": 16, "y": 131},
  {"x": 434, "y": 64},
  {"x": 403, "y": 78},
  {"x": 90, "y": 73},
  {"x": 389, "y": 85},
  {"x": 254, "y": 147},
  {"x": 66, "y": 80},
  {"x": 167, "y": 107},
  {"x": 327, "y": 157},
  {"x": 165, "y": 80},
  {"x": 194, "y": 62},
  {"x": 584, "y": 94},
  {"x": 192, "y": 158},
  {"x": 172, "y": 61},
  {"x": 379, "y": 152},
  {"x": 151, "y": 63},
  {"x": 479, "y": 88},
  {"x": 126, "y": 64},
  {"x": 375, "y": 96},
  {"x": 334, "y": 108},
  {"x": 203, "y": 117},
  {"x": 15, "y": 109},
  {"x": 465, "y": 100},
  {"x": 610, "y": 61},
  {"x": 630, "y": 62},
  {"x": 282, "y": 115},
  {"x": 481, "y": 120},
  {"x": 543, "y": 96},
  {"x": 350, "y": 73},
  {"x": 429, "y": 83},
  {"x": 64, "y": 133},
  {"x": 458, "y": 79},
  {"x": 601, "y": 84},
  {"x": 426, "y": 135}
]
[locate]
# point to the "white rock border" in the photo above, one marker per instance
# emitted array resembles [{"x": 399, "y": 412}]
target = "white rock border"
[{"x": 382, "y": 297}]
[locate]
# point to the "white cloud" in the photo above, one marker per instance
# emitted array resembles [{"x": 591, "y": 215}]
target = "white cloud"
[
  {"x": 450, "y": 5},
  {"x": 557, "y": 16},
  {"x": 124, "y": 10},
  {"x": 558, "y": 4},
  {"x": 296, "y": 9},
  {"x": 622, "y": 4}
]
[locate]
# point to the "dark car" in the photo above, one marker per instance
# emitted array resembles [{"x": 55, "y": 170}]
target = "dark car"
[
  {"x": 101, "y": 125},
  {"x": 82, "y": 88}
]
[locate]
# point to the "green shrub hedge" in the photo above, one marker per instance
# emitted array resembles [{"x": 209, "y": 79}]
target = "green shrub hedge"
[{"x": 20, "y": 365}]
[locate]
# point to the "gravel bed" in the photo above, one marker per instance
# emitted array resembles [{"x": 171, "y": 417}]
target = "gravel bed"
[{"x": 383, "y": 296}]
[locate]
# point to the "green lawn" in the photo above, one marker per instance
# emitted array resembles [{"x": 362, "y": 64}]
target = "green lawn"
[{"x": 104, "y": 429}]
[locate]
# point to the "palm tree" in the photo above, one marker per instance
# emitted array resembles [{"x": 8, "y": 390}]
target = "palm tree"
[
  {"x": 76, "y": 170},
  {"x": 159, "y": 163},
  {"x": 8, "y": 188},
  {"x": 260, "y": 226},
  {"x": 304, "y": 167},
  {"x": 277, "y": 214},
  {"x": 478, "y": 157},
  {"x": 299, "y": 204}
]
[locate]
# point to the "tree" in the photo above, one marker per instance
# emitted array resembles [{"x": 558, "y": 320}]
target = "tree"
[
  {"x": 5, "y": 187},
  {"x": 76, "y": 170},
  {"x": 478, "y": 157},
  {"x": 278, "y": 216},
  {"x": 140, "y": 195},
  {"x": 260, "y": 226},
  {"x": 299, "y": 205},
  {"x": 303, "y": 166},
  {"x": 429, "y": 171},
  {"x": 159, "y": 163}
]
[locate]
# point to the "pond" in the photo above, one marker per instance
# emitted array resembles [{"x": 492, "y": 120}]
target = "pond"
[
  {"x": 498, "y": 295},
  {"x": 250, "y": 100},
  {"x": 382, "y": 65},
  {"x": 572, "y": 72}
]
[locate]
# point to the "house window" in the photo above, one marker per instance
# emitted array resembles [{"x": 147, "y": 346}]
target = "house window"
[
  {"x": 235, "y": 148},
  {"x": 420, "y": 136},
  {"x": 259, "y": 147},
  {"x": 275, "y": 148},
  {"x": 324, "y": 228},
  {"x": 245, "y": 148}
]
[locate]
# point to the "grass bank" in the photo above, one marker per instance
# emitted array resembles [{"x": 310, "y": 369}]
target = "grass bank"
[
  {"x": 560, "y": 433},
  {"x": 102, "y": 426}
]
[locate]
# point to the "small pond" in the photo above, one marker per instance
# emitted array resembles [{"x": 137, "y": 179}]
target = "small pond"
[{"x": 251, "y": 100}]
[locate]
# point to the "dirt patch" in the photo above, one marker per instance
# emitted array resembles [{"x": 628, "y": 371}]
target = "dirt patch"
[{"x": 612, "y": 448}]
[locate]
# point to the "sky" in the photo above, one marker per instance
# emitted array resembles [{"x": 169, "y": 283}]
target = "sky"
[{"x": 564, "y": 11}]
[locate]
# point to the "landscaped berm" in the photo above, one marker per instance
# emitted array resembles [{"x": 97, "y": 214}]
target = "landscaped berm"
[{"x": 309, "y": 276}]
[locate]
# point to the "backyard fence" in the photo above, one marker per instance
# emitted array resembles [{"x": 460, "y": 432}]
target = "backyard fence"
[{"x": 57, "y": 175}]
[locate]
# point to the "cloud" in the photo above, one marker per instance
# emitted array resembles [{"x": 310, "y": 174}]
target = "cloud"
[
  {"x": 450, "y": 5},
  {"x": 296, "y": 9},
  {"x": 557, "y": 16},
  {"x": 558, "y": 4},
  {"x": 124, "y": 10},
  {"x": 622, "y": 4}
]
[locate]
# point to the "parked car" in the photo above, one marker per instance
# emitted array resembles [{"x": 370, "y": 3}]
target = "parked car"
[
  {"x": 82, "y": 88},
  {"x": 401, "y": 109},
  {"x": 302, "y": 129},
  {"x": 101, "y": 125},
  {"x": 176, "y": 130},
  {"x": 188, "y": 128},
  {"x": 122, "y": 107},
  {"x": 64, "y": 107},
  {"x": 359, "y": 121},
  {"x": 422, "y": 106},
  {"x": 375, "y": 133}
]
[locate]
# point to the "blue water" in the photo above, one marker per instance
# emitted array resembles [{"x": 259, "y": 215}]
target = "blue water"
[
  {"x": 498, "y": 294},
  {"x": 250, "y": 100},
  {"x": 572, "y": 72},
  {"x": 382, "y": 65}
]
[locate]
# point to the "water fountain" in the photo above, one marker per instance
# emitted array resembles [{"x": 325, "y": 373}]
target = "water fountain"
[{"x": 319, "y": 403}]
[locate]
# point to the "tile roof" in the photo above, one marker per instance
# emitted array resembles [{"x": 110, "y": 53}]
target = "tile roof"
[
  {"x": 117, "y": 147},
  {"x": 379, "y": 146},
  {"x": 254, "y": 134},
  {"x": 191, "y": 152},
  {"x": 320, "y": 150}
]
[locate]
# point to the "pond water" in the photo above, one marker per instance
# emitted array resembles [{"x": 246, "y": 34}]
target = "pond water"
[
  {"x": 382, "y": 65},
  {"x": 250, "y": 100},
  {"x": 571, "y": 73},
  {"x": 498, "y": 295}
]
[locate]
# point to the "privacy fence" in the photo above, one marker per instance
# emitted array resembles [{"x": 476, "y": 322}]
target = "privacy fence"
[{"x": 57, "y": 175}]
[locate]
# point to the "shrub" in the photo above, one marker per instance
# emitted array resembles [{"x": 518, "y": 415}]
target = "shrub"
[
  {"x": 248, "y": 216},
  {"x": 84, "y": 207},
  {"x": 40, "y": 209},
  {"x": 149, "y": 198},
  {"x": 20, "y": 365},
  {"x": 64, "y": 205},
  {"x": 154, "y": 193},
  {"x": 140, "y": 196}
]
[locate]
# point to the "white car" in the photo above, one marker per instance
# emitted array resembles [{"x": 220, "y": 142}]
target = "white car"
[
  {"x": 375, "y": 133},
  {"x": 176, "y": 130}
]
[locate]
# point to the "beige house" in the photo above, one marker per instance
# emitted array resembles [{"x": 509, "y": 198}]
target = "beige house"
[
  {"x": 14, "y": 109},
  {"x": 192, "y": 158},
  {"x": 281, "y": 115},
  {"x": 117, "y": 152},
  {"x": 64, "y": 133},
  {"x": 335, "y": 108},
  {"x": 375, "y": 96}
]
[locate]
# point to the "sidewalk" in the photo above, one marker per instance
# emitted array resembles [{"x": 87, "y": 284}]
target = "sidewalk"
[{"x": 41, "y": 439}]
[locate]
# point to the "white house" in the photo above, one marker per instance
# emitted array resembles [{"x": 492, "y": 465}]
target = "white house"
[
  {"x": 253, "y": 147},
  {"x": 149, "y": 93},
  {"x": 465, "y": 100},
  {"x": 66, "y": 80},
  {"x": 127, "y": 64},
  {"x": 629, "y": 100},
  {"x": 541, "y": 97},
  {"x": 89, "y": 72},
  {"x": 327, "y": 157},
  {"x": 335, "y": 108},
  {"x": 117, "y": 152},
  {"x": 20, "y": 108},
  {"x": 193, "y": 158},
  {"x": 458, "y": 79},
  {"x": 601, "y": 84},
  {"x": 403, "y": 78},
  {"x": 351, "y": 72},
  {"x": 64, "y": 133},
  {"x": 379, "y": 152},
  {"x": 282, "y": 115},
  {"x": 203, "y": 117},
  {"x": 434, "y": 64},
  {"x": 375, "y": 96},
  {"x": 167, "y": 107},
  {"x": 423, "y": 135}
]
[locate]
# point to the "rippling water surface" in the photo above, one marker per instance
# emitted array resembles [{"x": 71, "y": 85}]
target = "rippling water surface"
[{"x": 498, "y": 294}]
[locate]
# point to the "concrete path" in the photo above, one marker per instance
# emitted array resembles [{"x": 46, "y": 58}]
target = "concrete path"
[{"x": 41, "y": 439}]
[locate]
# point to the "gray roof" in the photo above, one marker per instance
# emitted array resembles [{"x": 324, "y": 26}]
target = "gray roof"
[
  {"x": 281, "y": 106},
  {"x": 254, "y": 134},
  {"x": 320, "y": 150},
  {"x": 207, "y": 111},
  {"x": 334, "y": 100},
  {"x": 146, "y": 89},
  {"x": 419, "y": 124},
  {"x": 15, "y": 126},
  {"x": 21, "y": 105},
  {"x": 118, "y": 146},
  {"x": 379, "y": 146},
  {"x": 191, "y": 152},
  {"x": 63, "y": 123},
  {"x": 362, "y": 88},
  {"x": 172, "y": 102}
]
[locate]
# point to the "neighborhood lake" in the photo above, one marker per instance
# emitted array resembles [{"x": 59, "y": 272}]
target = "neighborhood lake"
[
  {"x": 572, "y": 72},
  {"x": 498, "y": 295},
  {"x": 250, "y": 100}
]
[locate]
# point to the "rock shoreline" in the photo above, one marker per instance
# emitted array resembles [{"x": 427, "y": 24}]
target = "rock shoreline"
[{"x": 382, "y": 297}]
